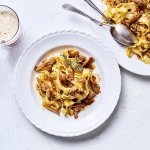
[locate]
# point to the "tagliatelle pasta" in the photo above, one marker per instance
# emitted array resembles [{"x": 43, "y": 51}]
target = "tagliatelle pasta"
[
  {"x": 66, "y": 83},
  {"x": 135, "y": 14}
]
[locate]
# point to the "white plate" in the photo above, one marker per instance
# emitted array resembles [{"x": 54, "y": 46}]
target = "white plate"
[
  {"x": 94, "y": 115},
  {"x": 131, "y": 64}
]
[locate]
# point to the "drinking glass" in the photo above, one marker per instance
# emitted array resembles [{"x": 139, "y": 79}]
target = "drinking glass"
[{"x": 17, "y": 36}]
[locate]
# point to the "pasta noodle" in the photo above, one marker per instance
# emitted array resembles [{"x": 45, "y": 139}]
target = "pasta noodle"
[
  {"x": 135, "y": 14},
  {"x": 66, "y": 83}
]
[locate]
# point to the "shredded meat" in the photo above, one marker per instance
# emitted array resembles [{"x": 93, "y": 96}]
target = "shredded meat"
[
  {"x": 94, "y": 85},
  {"x": 81, "y": 59},
  {"x": 148, "y": 53},
  {"x": 46, "y": 65},
  {"x": 77, "y": 109},
  {"x": 73, "y": 53},
  {"x": 116, "y": 2},
  {"x": 89, "y": 101},
  {"x": 91, "y": 95},
  {"x": 140, "y": 4},
  {"x": 52, "y": 83},
  {"x": 94, "y": 79},
  {"x": 75, "y": 113},
  {"x": 50, "y": 95},
  {"x": 96, "y": 88},
  {"x": 65, "y": 79},
  {"x": 135, "y": 18},
  {"x": 128, "y": 22},
  {"x": 88, "y": 63}
]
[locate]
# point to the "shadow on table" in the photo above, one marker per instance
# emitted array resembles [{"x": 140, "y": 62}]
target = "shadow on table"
[{"x": 135, "y": 76}]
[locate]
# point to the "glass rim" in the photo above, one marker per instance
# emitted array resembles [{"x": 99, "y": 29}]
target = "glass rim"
[{"x": 17, "y": 20}]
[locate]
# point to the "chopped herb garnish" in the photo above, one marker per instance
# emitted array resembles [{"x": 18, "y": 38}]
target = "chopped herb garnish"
[{"x": 77, "y": 65}]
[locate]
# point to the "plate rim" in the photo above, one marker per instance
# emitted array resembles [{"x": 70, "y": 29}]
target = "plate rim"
[{"x": 96, "y": 125}]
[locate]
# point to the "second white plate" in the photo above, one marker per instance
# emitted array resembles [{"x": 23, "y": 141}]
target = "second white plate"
[{"x": 131, "y": 64}]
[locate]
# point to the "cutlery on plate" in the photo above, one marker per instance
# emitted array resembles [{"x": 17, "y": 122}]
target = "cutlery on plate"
[{"x": 119, "y": 32}]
